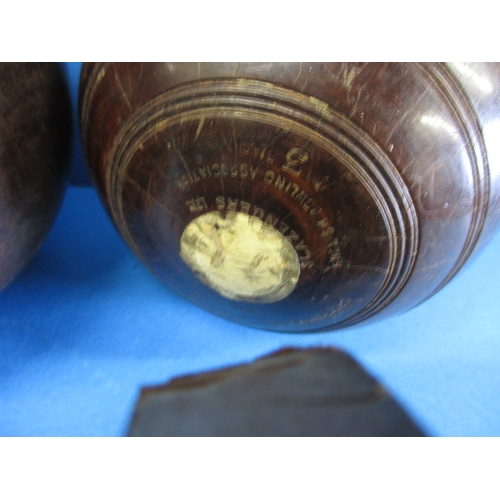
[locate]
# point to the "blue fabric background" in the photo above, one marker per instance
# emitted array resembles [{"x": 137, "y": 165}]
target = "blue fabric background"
[{"x": 85, "y": 326}]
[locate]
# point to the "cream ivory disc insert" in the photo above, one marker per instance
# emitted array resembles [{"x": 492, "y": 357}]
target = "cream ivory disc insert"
[{"x": 240, "y": 257}]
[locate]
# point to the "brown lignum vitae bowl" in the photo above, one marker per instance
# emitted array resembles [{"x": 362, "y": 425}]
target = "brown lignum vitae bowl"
[
  {"x": 297, "y": 197},
  {"x": 35, "y": 141}
]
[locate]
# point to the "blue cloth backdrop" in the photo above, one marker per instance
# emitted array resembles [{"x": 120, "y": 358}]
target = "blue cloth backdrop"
[{"x": 85, "y": 326}]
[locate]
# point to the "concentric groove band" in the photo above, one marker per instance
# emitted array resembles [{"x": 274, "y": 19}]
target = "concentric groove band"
[
  {"x": 86, "y": 98},
  {"x": 468, "y": 124},
  {"x": 262, "y": 101}
]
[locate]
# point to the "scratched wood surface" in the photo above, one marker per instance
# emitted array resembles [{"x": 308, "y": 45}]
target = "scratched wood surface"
[{"x": 382, "y": 177}]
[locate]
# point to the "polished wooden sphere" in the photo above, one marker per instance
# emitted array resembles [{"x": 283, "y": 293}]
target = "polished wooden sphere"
[
  {"x": 297, "y": 197},
  {"x": 35, "y": 140}
]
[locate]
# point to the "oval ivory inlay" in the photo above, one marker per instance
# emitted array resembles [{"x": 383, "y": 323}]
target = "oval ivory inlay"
[{"x": 240, "y": 257}]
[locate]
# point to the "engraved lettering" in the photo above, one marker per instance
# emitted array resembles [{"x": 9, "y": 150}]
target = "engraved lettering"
[
  {"x": 335, "y": 257},
  {"x": 268, "y": 177},
  {"x": 307, "y": 254},
  {"x": 218, "y": 170},
  {"x": 301, "y": 246},
  {"x": 280, "y": 182},
  {"x": 320, "y": 185},
  {"x": 315, "y": 211},
  {"x": 271, "y": 219},
  {"x": 308, "y": 204},
  {"x": 253, "y": 172},
  {"x": 306, "y": 264},
  {"x": 258, "y": 212},
  {"x": 220, "y": 202},
  {"x": 293, "y": 236},
  {"x": 283, "y": 228},
  {"x": 232, "y": 204},
  {"x": 245, "y": 207},
  {"x": 243, "y": 171},
  {"x": 245, "y": 148},
  {"x": 300, "y": 197},
  {"x": 322, "y": 223},
  {"x": 261, "y": 153},
  {"x": 203, "y": 172},
  {"x": 305, "y": 260},
  {"x": 183, "y": 182},
  {"x": 327, "y": 232},
  {"x": 294, "y": 159},
  {"x": 197, "y": 205}
]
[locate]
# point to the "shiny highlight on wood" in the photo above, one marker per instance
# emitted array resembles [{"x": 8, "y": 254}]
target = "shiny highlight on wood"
[{"x": 382, "y": 178}]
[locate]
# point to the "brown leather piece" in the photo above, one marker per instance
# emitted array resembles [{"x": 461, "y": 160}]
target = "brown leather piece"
[{"x": 309, "y": 392}]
